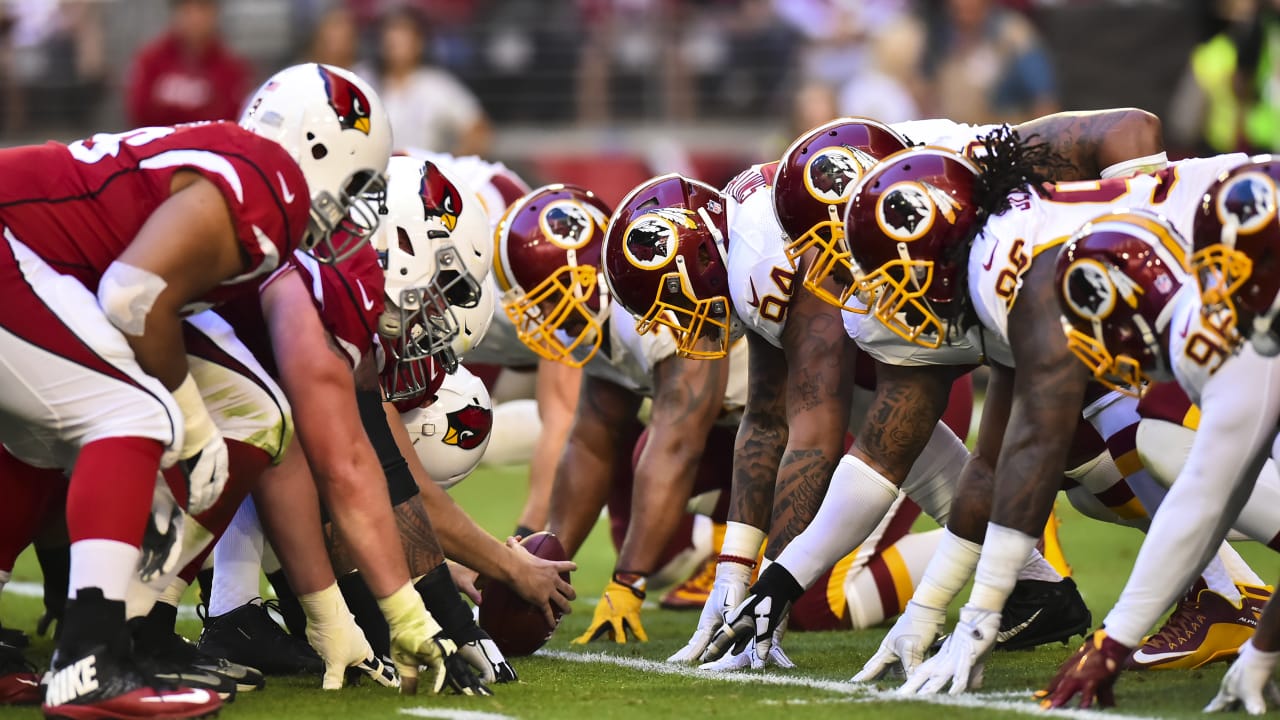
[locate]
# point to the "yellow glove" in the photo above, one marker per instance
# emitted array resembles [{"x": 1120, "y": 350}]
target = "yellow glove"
[
  {"x": 417, "y": 639},
  {"x": 332, "y": 631},
  {"x": 618, "y": 610}
]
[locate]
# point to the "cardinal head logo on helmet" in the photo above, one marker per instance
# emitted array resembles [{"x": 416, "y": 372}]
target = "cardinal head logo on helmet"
[
  {"x": 347, "y": 101},
  {"x": 468, "y": 427}
]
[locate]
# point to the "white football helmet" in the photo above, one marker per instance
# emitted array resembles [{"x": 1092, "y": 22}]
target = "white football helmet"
[
  {"x": 450, "y": 435},
  {"x": 435, "y": 250},
  {"x": 334, "y": 126}
]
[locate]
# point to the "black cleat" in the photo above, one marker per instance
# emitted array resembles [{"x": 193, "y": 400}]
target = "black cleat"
[
  {"x": 1040, "y": 612},
  {"x": 105, "y": 682},
  {"x": 168, "y": 656},
  {"x": 248, "y": 636}
]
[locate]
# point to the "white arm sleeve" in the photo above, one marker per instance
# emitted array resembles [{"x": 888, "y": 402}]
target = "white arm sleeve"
[{"x": 1239, "y": 408}]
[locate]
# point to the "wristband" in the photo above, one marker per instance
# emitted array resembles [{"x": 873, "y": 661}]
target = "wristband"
[
  {"x": 742, "y": 540},
  {"x": 404, "y": 607},
  {"x": 197, "y": 426}
]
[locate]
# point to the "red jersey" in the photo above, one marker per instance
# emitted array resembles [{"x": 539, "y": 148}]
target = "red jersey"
[
  {"x": 348, "y": 296},
  {"x": 79, "y": 206},
  {"x": 169, "y": 85}
]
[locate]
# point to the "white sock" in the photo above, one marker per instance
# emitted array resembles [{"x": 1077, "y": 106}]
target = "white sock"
[
  {"x": 237, "y": 562},
  {"x": 931, "y": 484},
  {"x": 172, "y": 595},
  {"x": 1237, "y": 568},
  {"x": 856, "y": 502},
  {"x": 1004, "y": 551},
  {"x": 1037, "y": 568},
  {"x": 862, "y": 590},
  {"x": 948, "y": 570},
  {"x": 104, "y": 564}
]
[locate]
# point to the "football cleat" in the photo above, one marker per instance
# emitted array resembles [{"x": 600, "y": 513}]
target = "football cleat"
[
  {"x": 249, "y": 636},
  {"x": 106, "y": 683},
  {"x": 19, "y": 683},
  {"x": 1204, "y": 628},
  {"x": 692, "y": 594},
  {"x": 1040, "y": 612},
  {"x": 168, "y": 656}
]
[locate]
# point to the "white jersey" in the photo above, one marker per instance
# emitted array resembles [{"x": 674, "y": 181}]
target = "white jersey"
[
  {"x": 761, "y": 279},
  {"x": 628, "y": 359},
  {"x": 941, "y": 132},
  {"x": 1009, "y": 242}
]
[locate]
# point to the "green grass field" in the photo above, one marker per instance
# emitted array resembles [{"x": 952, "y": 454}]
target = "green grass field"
[{"x": 605, "y": 680}]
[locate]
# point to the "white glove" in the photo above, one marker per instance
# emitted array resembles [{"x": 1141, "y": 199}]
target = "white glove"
[
  {"x": 905, "y": 644},
  {"x": 483, "y": 655},
  {"x": 203, "y": 457},
  {"x": 732, "y": 579},
  {"x": 1248, "y": 682},
  {"x": 332, "y": 631},
  {"x": 749, "y": 658},
  {"x": 961, "y": 660}
]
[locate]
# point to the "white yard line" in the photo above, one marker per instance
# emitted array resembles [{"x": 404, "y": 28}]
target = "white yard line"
[
  {"x": 860, "y": 693},
  {"x": 448, "y": 714}
]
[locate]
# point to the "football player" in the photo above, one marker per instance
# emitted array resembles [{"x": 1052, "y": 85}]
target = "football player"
[
  {"x": 549, "y": 273},
  {"x": 556, "y": 384},
  {"x": 157, "y": 222},
  {"x": 910, "y": 227},
  {"x": 1161, "y": 326},
  {"x": 810, "y": 215},
  {"x": 795, "y": 433}
]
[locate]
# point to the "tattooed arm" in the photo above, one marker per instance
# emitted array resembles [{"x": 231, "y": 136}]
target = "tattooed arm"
[
  {"x": 908, "y": 403},
  {"x": 762, "y": 436},
  {"x": 1091, "y": 141},
  {"x": 819, "y": 391},
  {"x": 1048, "y": 393},
  {"x": 688, "y": 397},
  {"x": 606, "y": 414}
]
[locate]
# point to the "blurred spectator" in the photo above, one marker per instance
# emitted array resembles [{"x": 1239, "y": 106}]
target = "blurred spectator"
[
  {"x": 429, "y": 108},
  {"x": 1229, "y": 98},
  {"x": 885, "y": 88},
  {"x": 56, "y": 62},
  {"x": 335, "y": 39},
  {"x": 836, "y": 33},
  {"x": 985, "y": 63},
  {"x": 814, "y": 103},
  {"x": 187, "y": 74}
]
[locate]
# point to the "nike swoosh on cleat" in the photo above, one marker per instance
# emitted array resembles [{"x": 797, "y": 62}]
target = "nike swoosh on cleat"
[
  {"x": 1151, "y": 658},
  {"x": 1006, "y": 635},
  {"x": 192, "y": 696}
]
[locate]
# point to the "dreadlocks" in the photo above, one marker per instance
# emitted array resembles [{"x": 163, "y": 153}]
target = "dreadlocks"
[{"x": 1007, "y": 164}]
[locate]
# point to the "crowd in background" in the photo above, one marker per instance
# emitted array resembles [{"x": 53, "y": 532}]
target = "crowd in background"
[{"x": 451, "y": 71}]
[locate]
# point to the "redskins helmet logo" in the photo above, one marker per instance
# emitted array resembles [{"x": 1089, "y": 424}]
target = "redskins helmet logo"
[
  {"x": 832, "y": 172},
  {"x": 347, "y": 101},
  {"x": 907, "y": 210},
  {"x": 1088, "y": 290},
  {"x": 468, "y": 427},
  {"x": 650, "y": 240},
  {"x": 440, "y": 198},
  {"x": 1248, "y": 202},
  {"x": 566, "y": 224}
]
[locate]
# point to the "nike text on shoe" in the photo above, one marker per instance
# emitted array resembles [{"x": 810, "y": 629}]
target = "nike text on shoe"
[
  {"x": 249, "y": 636},
  {"x": 102, "y": 685},
  {"x": 1204, "y": 628},
  {"x": 1039, "y": 612}
]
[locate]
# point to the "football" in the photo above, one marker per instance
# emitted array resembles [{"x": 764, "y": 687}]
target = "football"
[{"x": 517, "y": 627}]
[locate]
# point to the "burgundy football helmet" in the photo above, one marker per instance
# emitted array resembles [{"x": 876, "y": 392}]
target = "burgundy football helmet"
[
  {"x": 816, "y": 177},
  {"x": 548, "y": 261},
  {"x": 1115, "y": 279},
  {"x": 907, "y": 227},
  {"x": 1237, "y": 255},
  {"x": 664, "y": 260}
]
